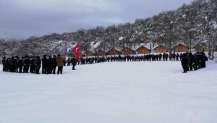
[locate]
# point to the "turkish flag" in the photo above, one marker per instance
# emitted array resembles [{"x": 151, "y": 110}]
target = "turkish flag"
[{"x": 76, "y": 51}]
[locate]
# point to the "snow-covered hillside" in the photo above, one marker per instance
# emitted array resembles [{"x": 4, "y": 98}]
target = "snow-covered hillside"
[
  {"x": 137, "y": 92},
  {"x": 193, "y": 24}
]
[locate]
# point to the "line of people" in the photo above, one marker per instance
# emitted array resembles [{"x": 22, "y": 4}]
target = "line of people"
[
  {"x": 33, "y": 64},
  {"x": 48, "y": 64},
  {"x": 125, "y": 58},
  {"x": 194, "y": 62}
]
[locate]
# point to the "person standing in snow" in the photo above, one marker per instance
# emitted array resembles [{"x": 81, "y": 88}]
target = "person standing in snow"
[
  {"x": 37, "y": 64},
  {"x": 190, "y": 61},
  {"x": 203, "y": 60},
  {"x": 20, "y": 64},
  {"x": 184, "y": 61},
  {"x": 54, "y": 64},
  {"x": 68, "y": 62},
  {"x": 32, "y": 64},
  {"x": 74, "y": 63},
  {"x": 13, "y": 64},
  {"x": 26, "y": 64},
  {"x": 4, "y": 63},
  {"x": 44, "y": 65},
  {"x": 49, "y": 65},
  {"x": 177, "y": 57},
  {"x": 60, "y": 64}
]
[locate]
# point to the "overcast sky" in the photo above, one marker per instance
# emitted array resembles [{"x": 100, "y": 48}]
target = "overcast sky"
[{"x": 24, "y": 18}]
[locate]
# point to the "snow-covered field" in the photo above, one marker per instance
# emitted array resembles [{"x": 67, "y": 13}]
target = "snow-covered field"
[{"x": 137, "y": 92}]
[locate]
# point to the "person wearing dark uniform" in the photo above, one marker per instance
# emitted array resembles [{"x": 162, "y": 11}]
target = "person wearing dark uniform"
[
  {"x": 203, "y": 60},
  {"x": 190, "y": 61},
  {"x": 44, "y": 65},
  {"x": 54, "y": 64},
  {"x": 177, "y": 57},
  {"x": 74, "y": 63},
  {"x": 7, "y": 65},
  {"x": 16, "y": 64},
  {"x": 37, "y": 64},
  {"x": 64, "y": 62},
  {"x": 68, "y": 62},
  {"x": 50, "y": 66},
  {"x": 32, "y": 65},
  {"x": 13, "y": 64},
  {"x": 20, "y": 65},
  {"x": 184, "y": 61},
  {"x": 26, "y": 64},
  {"x": 4, "y": 63}
]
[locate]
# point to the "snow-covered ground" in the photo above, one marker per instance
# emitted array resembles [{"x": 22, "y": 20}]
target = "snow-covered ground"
[{"x": 137, "y": 92}]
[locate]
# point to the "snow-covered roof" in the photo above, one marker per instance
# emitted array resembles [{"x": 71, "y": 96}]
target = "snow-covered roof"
[
  {"x": 94, "y": 45},
  {"x": 152, "y": 45},
  {"x": 159, "y": 46},
  {"x": 146, "y": 45},
  {"x": 204, "y": 41},
  {"x": 121, "y": 38},
  {"x": 180, "y": 43},
  {"x": 114, "y": 48}
]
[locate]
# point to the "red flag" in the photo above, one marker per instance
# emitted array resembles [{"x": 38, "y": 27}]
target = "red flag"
[{"x": 76, "y": 51}]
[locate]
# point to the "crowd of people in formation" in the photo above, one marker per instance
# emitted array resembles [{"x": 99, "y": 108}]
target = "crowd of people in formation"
[
  {"x": 33, "y": 64},
  {"x": 54, "y": 64},
  {"x": 130, "y": 58},
  {"x": 194, "y": 62}
]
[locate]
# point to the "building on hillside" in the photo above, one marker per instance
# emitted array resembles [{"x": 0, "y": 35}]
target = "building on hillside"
[
  {"x": 113, "y": 51},
  {"x": 160, "y": 49},
  {"x": 180, "y": 47},
  {"x": 143, "y": 50},
  {"x": 128, "y": 51}
]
